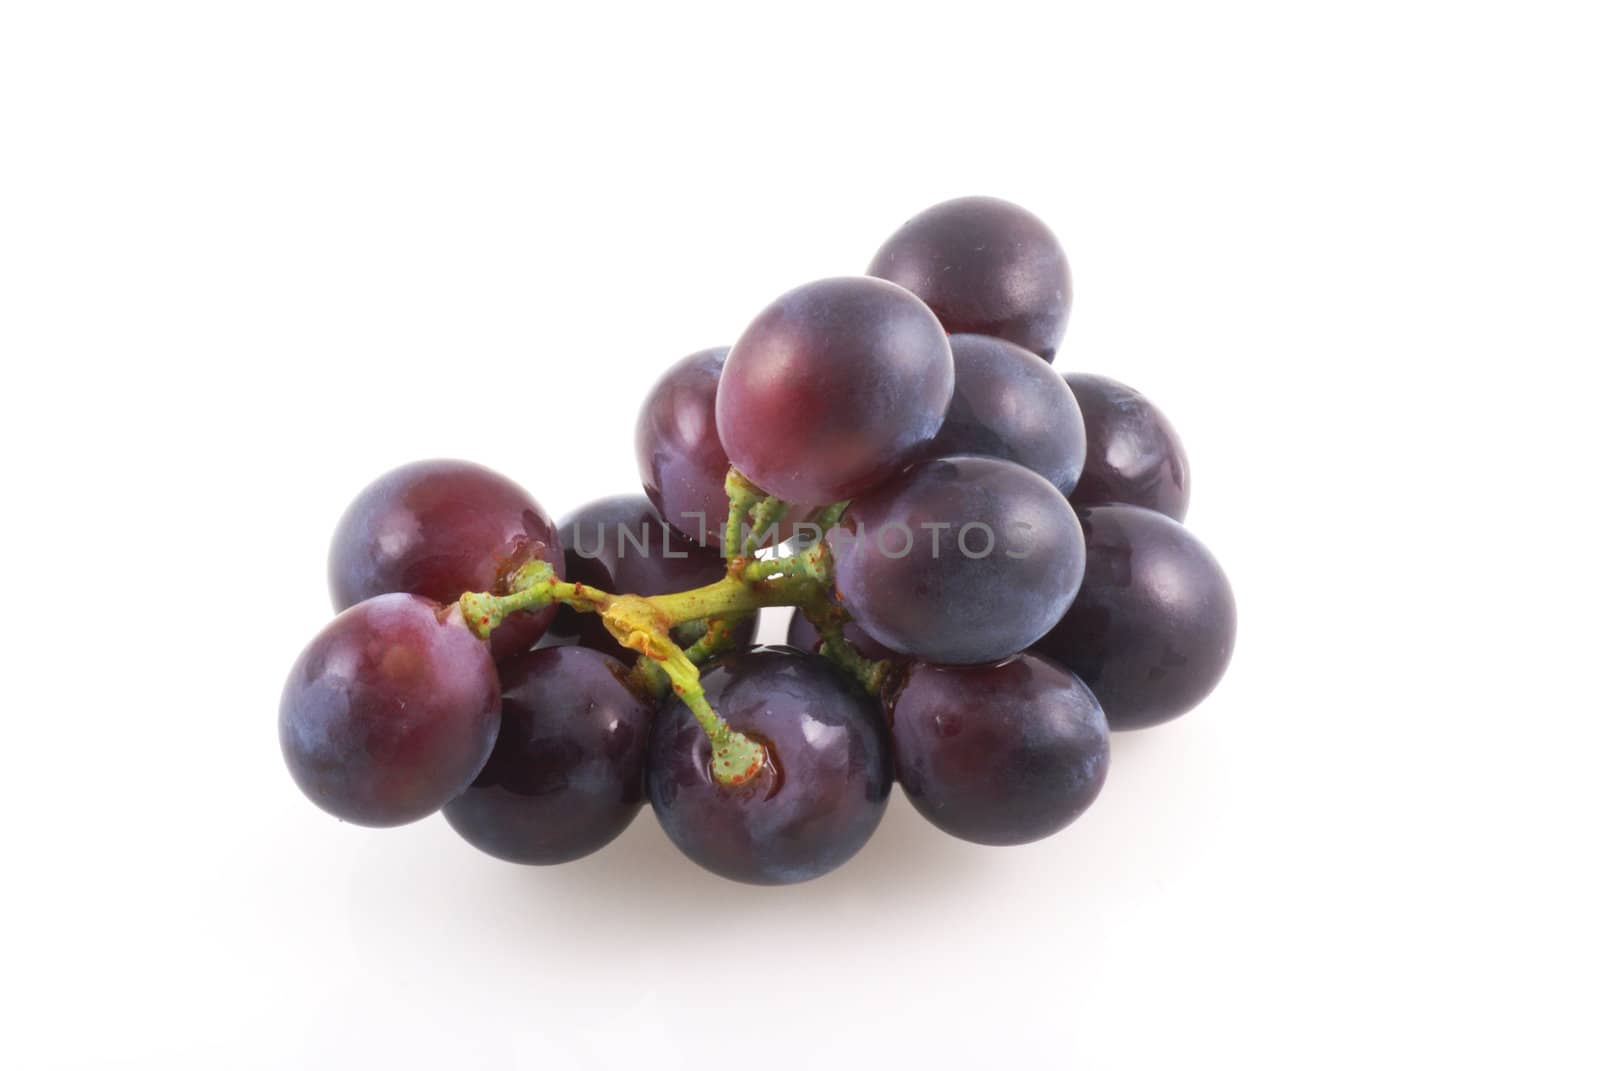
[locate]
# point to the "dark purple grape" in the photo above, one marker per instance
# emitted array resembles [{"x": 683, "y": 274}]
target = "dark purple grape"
[
  {"x": 390, "y": 712},
  {"x": 806, "y": 638},
  {"x": 1010, "y": 404},
  {"x": 440, "y": 529},
  {"x": 1152, "y": 628},
  {"x": 681, "y": 460},
  {"x": 622, "y": 546},
  {"x": 567, "y": 773},
  {"x": 812, "y": 806},
  {"x": 958, "y": 560},
  {"x": 998, "y": 754},
  {"x": 1134, "y": 456},
  {"x": 985, "y": 267},
  {"x": 833, "y": 387}
]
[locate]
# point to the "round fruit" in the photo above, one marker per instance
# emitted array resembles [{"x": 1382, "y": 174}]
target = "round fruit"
[
  {"x": 985, "y": 267},
  {"x": 566, "y": 775},
  {"x": 999, "y": 754},
  {"x": 440, "y": 529},
  {"x": 390, "y": 712},
  {"x": 812, "y": 806},
  {"x": 1010, "y": 404},
  {"x": 958, "y": 560},
  {"x": 1152, "y": 628},
  {"x": 832, "y": 388},
  {"x": 1134, "y": 456},
  {"x": 681, "y": 460}
]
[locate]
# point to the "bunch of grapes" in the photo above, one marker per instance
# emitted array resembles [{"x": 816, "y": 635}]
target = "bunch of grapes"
[{"x": 986, "y": 561}]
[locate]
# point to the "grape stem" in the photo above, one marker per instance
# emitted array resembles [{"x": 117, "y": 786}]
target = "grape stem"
[
  {"x": 645, "y": 623},
  {"x": 743, "y": 498},
  {"x": 764, "y": 521}
]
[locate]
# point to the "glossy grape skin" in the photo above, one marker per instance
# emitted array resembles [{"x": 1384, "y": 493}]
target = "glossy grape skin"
[
  {"x": 1152, "y": 628},
  {"x": 986, "y": 267},
  {"x": 1134, "y": 455},
  {"x": 1005, "y": 753},
  {"x": 833, "y": 387},
  {"x": 440, "y": 529},
  {"x": 622, "y": 546},
  {"x": 937, "y": 602},
  {"x": 821, "y": 794},
  {"x": 805, "y": 638},
  {"x": 567, "y": 772},
  {"x": 681, "y": 461},
  {"x": 390, "y": 712},
  {"x": 1009, "y": 403}
]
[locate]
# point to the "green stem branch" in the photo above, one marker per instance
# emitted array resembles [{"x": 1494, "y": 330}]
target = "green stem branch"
[
  {"x": 645, "y": 623},
  {"x": 764, "y": 521},
  {"x": 743, "y": 497}
]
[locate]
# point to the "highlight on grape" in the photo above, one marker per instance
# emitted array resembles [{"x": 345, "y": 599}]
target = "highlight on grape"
[{"x": 984, "y": 560}]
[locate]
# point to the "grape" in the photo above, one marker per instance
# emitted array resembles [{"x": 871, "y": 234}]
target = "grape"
[
  {"x": 958, "y": 560},
  {"x": 1152, "y": 628},
  {"x": 985, "y": 267},
  {"x": 812, "y": 806},
  {"x": 681, "y": 460},
  {"x": 806, "y": 638},
  {"x": 1010, "y": 404},
  {"x": 440, "y": 529},
  {"x": 833, "y": 387},
  {"x": 566, "y": 775},
  {"x": 622, "y": 546},
  {"x": 998, "y": 754},
  {"x": 390, "y": 712},
  {"x": 1134, "y": 455}
]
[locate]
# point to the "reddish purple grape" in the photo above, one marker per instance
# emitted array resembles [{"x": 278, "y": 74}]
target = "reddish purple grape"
[
  {"x": 1000, "y": 754},
  {"x": 440, "y": 529},
  {"x": 802, "y": 636},
  {"x": 985, "y": 267},
  {"x": 1009, "y": 403},
  {"x": 681, "y": 460},
  {"x": 832, "y": 388},
  {"x": 1134, "y": 455},
  {"x": 567, "y": 773},
  {"x": 958, "y": 560},
  {"x": 622, "y": 546},
  {"x": 1152, "y": 628},
  {"x": 818, "y": 799},
  {"x": 390, "y": 712}
]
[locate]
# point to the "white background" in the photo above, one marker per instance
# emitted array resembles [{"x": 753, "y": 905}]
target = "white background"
[{"x": 252, "y": 255}]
